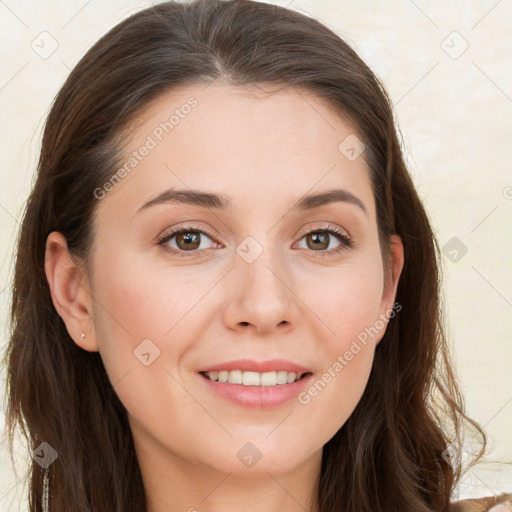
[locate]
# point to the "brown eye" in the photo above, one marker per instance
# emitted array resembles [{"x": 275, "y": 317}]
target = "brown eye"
[
  {"x": 188, "y": 240},
  {"x": 184, "y": 241},
  {"x": 318, "y": 240}
]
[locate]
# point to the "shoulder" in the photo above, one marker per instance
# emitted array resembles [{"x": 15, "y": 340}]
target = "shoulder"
[{"x": 501, "y": 503}]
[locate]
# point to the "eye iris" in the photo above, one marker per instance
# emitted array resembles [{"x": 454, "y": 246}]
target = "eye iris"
[
  {"x": 187, "y": 237},
  {"x": 321, "y": 240},
  {"x": 191, "y": 240}
]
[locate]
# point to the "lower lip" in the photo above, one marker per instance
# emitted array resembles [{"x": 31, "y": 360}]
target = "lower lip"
[{"x": 258, "y": 396}]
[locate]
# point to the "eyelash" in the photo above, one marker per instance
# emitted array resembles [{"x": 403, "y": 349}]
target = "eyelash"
[{"x": 346, "y": 242}]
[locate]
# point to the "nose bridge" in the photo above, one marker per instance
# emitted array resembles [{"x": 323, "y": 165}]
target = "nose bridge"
[
  {"x": 260, "y": 263},
  {"x": 262, "y": 294}
]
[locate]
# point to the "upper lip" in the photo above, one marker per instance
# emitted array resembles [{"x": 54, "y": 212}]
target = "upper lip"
[{"x": 250, "y": 365}]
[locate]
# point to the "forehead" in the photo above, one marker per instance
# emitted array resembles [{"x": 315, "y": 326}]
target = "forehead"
[{"x": 267, "y": 142}]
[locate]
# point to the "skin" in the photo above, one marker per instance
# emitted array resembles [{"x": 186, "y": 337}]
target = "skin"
[{"x": 264, "y": 150}]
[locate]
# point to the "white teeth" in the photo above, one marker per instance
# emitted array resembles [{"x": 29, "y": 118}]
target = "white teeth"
[
  {"x": 235, "y": 377},
  {"x": 270, "y": 379},
  {"x": 292, "y": 376},
  {"x": 282, "y": 377},
  {"x": 214, "y": 376},
  {"x": 251, "y": 379},
  {"x": 254, "y": 378}
]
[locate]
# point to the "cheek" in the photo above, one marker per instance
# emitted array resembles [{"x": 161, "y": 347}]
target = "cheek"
[
  {"x": 140, "y": 299},
  {"x": 141, "y": 320},
  {"x": 347, "y": 359},
  {"x": 347, "y": 299},
  {"x": 348, "y": 303},
  {"x": 334, "y": 394},
  {"x": 133, "y": 308},
  {"x": 145, "y": 308}
]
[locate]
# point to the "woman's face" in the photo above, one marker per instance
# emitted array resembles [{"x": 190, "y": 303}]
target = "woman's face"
[{"x": 255, "y": 276}]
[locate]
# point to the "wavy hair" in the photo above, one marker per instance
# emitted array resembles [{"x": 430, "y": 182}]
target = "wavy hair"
[{"x": 392, "y": 452}]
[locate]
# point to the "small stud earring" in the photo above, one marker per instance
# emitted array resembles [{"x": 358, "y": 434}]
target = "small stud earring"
[{"x": 82, "y": 335}]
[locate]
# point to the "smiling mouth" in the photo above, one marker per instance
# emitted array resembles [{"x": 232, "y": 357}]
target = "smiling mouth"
[{"x": 249, "y": 378}]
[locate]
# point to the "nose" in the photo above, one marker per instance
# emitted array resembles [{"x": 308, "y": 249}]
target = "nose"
[{"x": 261, "y": 294}]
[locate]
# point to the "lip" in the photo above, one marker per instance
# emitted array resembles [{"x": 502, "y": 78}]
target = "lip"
[
  {"x": 250, "y": 365},
  {"x": 260, "y": 397}
]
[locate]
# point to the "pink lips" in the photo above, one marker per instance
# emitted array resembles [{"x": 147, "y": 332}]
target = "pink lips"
[
  {"x": 249, "y": 365},
  {"x": 258, "y": 396}
]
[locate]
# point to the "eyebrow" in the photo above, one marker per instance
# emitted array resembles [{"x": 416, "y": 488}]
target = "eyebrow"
[{"x": 220, "y": 202}]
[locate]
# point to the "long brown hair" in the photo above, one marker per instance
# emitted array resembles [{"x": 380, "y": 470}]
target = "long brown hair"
[{"x": 391, "y": 454}]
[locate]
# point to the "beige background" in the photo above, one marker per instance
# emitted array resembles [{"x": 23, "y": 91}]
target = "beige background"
[{"x": 453, "y": 99}]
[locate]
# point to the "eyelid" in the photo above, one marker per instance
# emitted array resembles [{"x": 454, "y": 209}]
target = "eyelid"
[
  {"x": 325, "y": 226},
  {"x": 341, "y": 234},
  {"x": 207, "y": 231},
  {"x": 185, "y": 227}
]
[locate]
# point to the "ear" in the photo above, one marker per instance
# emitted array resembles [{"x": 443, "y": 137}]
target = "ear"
[
  {"x": 391, "y": 277},
  {"x": 70, "y": 292},
  {"x": 394, "y": 270}
]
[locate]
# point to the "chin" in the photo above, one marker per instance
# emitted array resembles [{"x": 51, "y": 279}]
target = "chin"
[{"x": 246, "y": 457}]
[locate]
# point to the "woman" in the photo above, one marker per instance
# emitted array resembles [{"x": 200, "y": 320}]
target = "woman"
[{"x": 177, "y": 342}]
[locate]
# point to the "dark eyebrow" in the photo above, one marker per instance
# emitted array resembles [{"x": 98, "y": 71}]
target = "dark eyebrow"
[
  {"x": 328, "y": 197},
  {"x": 220, "y": 202},
  {"x": 194, "y": 197}
]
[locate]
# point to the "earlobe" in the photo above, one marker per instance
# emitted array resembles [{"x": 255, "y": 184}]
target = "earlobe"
[{"x": 69, "y": 295}]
